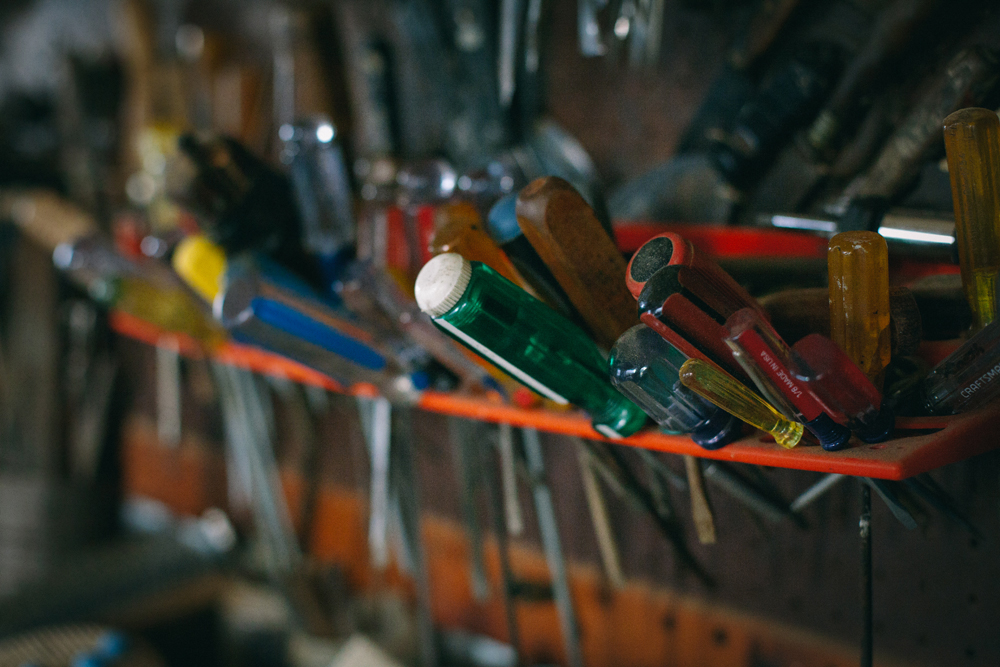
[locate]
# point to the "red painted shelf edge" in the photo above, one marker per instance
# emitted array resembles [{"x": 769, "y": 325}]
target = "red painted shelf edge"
[{"x": 962, "y": 437}]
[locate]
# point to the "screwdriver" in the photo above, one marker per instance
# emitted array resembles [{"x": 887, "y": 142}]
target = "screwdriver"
[
  {"x": 645, "y": 367},
  {"x": 420, "y": 185},
  {"x": 566, "y": 233},
  {"x": 372, "y": 297},
  {"x": 144, "y": 289},
  {"x": 671, "y": 249},
  {"x": 842, "y": 389},
  {"x": 685, "y": 320},
  {"x": 767, "y": 360},
  {"x": 240, "y": 201},
  {"x": 201, "y": 264},
  {"x": 139, "y": 289},
  {"x": 376, "y": 298},
  {"x": 688, "y": 283},
  {"x": 969, "y": 377},
  {"x": 858, "y": 265},
  {"x": 268, "y": 307},
  {"x": 724, "y": 391},
  {"x": 320, "y": 182},
  {"x": 972, "y": 144},
  {"x": 460, "y": 230},
  {"x": 503, "y": 228},
  {"x": 487, "y": 313}
]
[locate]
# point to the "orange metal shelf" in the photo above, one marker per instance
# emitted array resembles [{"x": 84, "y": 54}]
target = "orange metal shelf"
[{"x": 936, "y": 441}]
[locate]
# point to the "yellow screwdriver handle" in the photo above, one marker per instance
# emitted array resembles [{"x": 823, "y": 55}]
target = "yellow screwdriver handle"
[
  {"x": 972, "y": 143},
  {"x": 460, "y": 230},
  {"x": 735, "y": 398},
  {"x": 858, "y": 263}
]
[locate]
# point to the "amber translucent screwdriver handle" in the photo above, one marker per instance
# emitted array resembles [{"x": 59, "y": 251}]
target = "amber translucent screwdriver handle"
[
  {"x": 858, "y": 263},
  {"x": 735, "y": 398},
  {"x": 564, "y": 231},
  {"x": 459, "y": 229},
  {"x": 972, "y": 143}
]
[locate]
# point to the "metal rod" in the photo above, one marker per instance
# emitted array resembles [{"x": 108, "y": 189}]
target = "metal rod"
[
  {"x": 607, "y": 547},
  {"x": 808, "y": 496},
  {"x": 553, "y": 548},
  {"x": 738, "y": 489},
  {"x": 498, "y": 511},
  {"x": 865, "y": 529},
  {"x": 409, "y": 506}
]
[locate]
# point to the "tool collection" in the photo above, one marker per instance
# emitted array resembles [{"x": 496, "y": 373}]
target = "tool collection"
[{"x": 419, "y": 223}]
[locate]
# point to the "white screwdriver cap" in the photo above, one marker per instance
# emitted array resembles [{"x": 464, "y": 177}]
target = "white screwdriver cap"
[{"x": 442, "y": 282}]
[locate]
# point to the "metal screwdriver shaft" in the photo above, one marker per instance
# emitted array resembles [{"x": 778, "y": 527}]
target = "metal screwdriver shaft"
[{"x": 552, "y": 546}]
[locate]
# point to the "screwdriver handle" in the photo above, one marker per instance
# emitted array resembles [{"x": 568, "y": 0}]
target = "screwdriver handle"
[
  {"x": 671, "y": 249},
  {"x": 972, "y": 144},
  {"x": 858, "y": 264},
  {"x": 722, "y": 389},
  {"x": 460, "y": 230},
  {"x": 567, "y": 235}
]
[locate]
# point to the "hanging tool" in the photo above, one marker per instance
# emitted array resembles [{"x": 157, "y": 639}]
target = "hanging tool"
[
  {"x": 248, "y": 438},
  {"x": 406, "y": 483},
  {"x": 376, "y": 420},
  {"x": 551, "y": 543},
  {"x": 168, "y": 392},
  {"x": 718, "y": 473},
  {"x": 969, "y": 76},
  {"x": 810, "y": 495},
  {"x": 511, "y": 17},
  {"x": 492, "y": 467},
  {"x": 607, "y": 546},
  {"x": 611, "y": 465},
  {"x": 701, "y": 511},
  {"x": 867, "y": 619},
  {"x": 514, "y": 519},
  {"x": 888, "y": 494},
  {"x": 464, "y": 446}
]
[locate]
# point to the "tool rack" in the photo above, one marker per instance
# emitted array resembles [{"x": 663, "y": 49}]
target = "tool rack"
[{"x": 921, "y": 444}]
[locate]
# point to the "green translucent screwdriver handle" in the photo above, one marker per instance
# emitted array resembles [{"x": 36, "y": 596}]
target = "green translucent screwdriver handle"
[{"x": 735, "y": 398}]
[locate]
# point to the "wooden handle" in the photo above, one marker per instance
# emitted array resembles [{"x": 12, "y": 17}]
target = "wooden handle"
[{"x": 564, "y": 231}]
